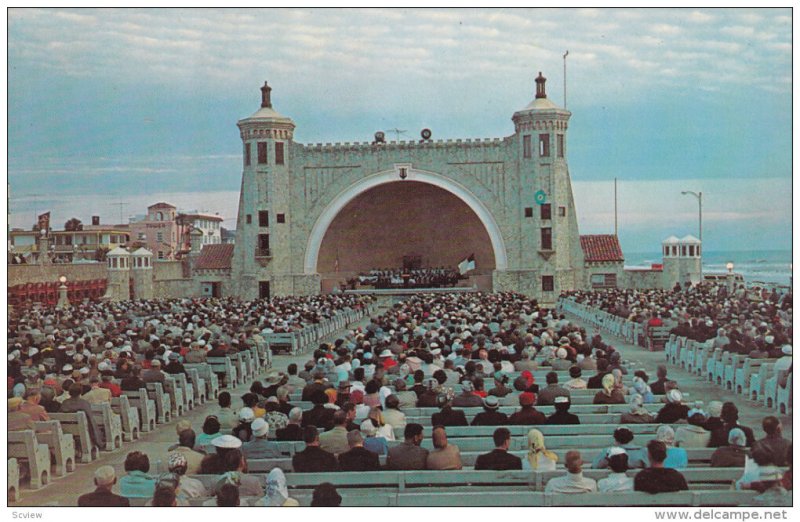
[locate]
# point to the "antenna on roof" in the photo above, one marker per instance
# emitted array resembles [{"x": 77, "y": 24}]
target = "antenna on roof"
[
  {"x": 566, "y": 53},
  {"x": 398, "y": 132}
]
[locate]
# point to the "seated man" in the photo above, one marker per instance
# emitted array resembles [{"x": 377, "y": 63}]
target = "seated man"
[
  {"x": 445, "y": 455},
  {"x": 357, "y": 458},
  {"x": 260, "y": 447},
  {"x": 293, "y": 430},
  {"x": 104, "y": 478},
  {"x": 730, "y": 419},
  {"x": 657, "y": 478},
  {"x": 562, "y": 414},
  {"x": 548, "y": 394},
  {"x": 449, "y": 417},
  {"x": 335, "y": 441},
  {"x": 499, "y": 458},
  {"x": 408, "y": 455},
  {"x": 186, "y": 442},
  {"x": 617, "y": 480},
  {"x": 75, "y": 404},
  {"x": 574, "y": 481},
  {"x": 774, "y": 443},
  {"x": 313, "y": 458}
]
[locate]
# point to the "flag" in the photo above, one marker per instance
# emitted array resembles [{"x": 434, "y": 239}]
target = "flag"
[{"x": 467, "y": 264}]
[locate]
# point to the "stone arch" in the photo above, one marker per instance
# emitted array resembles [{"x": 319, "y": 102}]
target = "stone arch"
[{"x": 460, "y": 191}]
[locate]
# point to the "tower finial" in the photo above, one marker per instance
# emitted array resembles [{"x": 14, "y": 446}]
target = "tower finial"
[
  {"x": 540, "y": 80},
  {"x": 266, "y": 100}
]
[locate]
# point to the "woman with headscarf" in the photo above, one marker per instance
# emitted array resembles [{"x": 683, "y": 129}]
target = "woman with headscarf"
[
  {"x": 609, "y": 394},
  {"x": 677, "y": 458},
  {"x": 277, "y": 494},
  {"x": 637, "y": 414},
  {"x": 539, "y": 458},
  {"x": 383, "y": 429},
  {"x": 640, "y": 387},
  {"x": 617, "y": 373}
]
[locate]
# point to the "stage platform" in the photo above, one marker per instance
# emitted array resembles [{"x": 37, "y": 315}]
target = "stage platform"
[{"x": 411, "y": 291}]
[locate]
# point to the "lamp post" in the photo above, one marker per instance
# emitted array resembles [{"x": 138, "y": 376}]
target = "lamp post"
[
  {"x": 63, "y": 302},
  {"x": 699, "y": 196},
  {"x": 731, "y": 284}
]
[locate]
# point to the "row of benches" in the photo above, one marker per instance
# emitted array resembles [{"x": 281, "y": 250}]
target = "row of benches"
[
  {"x": 298, "y": 342},
  {"x": 55, "y": 446},
  {"x": 708, "y": 487},
  {"x": 755, "y": 379}
]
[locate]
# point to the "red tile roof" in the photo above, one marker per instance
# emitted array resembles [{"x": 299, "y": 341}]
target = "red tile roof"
[
  {"x": 601, "y": 247},
  {"x": 215, "y": 257}
]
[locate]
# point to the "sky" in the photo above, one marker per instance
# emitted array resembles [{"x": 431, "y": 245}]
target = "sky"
[{"x": 112, "y": 110}]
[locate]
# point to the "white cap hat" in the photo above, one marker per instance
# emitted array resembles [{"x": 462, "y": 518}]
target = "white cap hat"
[
  {"x": 104, "y": 475},
  {"x": 84, "y": 370},
  {"x": 616, "y": 450},
  {"x": 787, "y": 349},
  {"x": 109, "y": 344},
  {"x": 226, "y": 441},
  {"x": 246, "y": 414},
  {"x": 260, "y": 427}
]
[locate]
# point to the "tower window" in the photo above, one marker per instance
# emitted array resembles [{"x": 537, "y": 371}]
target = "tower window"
[
  {"x": 544, "y": 145},
  {"x": 683, "y": 250},
  {"x": 281, "y": 218},
  {"x": 545, "y": 211},
  {"x": 279, "y": 153},
  {"x": 263, "y": 245},
  {"x": 159, "y": 236},
  {"x": 547, "y": 238},
  {"x": 263, "y": 218},
  {"x": 262, "y": 152},
  {"x": 246, "y": 154},
  {"x": 526, "y": 146},
  {"x": 560, "y": 145},
  {"x": 562, "y": 211},
  {"x": 548, "y": 283},
  {"x": 248, "y": 219},
  {"x": 691, "y": 250},
  {"x": 528, "y": 212}
]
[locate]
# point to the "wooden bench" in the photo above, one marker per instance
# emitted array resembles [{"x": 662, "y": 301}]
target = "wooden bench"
[
  {"x": 759, "y": 380},
  {"x": 281, "y": 343},
  {"x": 162, "y": 401},
  {"x": 60, "y": 444},
  {"x": 657, "y": 337},
  {"x": 24, "y": 446},
  {"x": 146, "y": 407},
  {"x": 110, "y": 423},
  {"x": 744, "y": 375},
  {"x": 129, "y": 416},
  {"x": 209, "y": 377},
  {"x": 223, "y": 365},
  {"x": 783, "y": 401},
  {"x": 177, "y": 405},
  {"x": 188, "y": 390},
  {"x": 77, "y": 425},
  {"x": 198, "y": 385},
  {"x": 13, "y": 480}
]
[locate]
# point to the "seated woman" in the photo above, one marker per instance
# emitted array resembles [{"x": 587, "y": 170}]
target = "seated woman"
[
  {"x": 677, "y": 458},
  {"x": 211, "y": 427},
  {"x": 539, "y": 458},
  {"x": 137, "y": 483},
  {"x": 384, "y": 430},
  {"x": 610, "y": 394}
]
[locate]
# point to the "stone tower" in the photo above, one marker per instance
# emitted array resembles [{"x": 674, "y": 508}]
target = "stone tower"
[
  {"x": 551, "y": 258},
  {"x": 142, "y": 273},
  {"x": 119, "y": 274},
  {"x": 262, "y": 253},
  {"x": 683, "y": 261}
]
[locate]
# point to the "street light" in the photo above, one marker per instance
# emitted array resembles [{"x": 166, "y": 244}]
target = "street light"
[
  {"x": 699, "y": 196},
  {"x": 731, "y": 281},
  {"x": 63, "y": 301}
]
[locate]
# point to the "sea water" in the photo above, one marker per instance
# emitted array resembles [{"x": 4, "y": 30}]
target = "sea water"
[{"x": 769, "y": 266}]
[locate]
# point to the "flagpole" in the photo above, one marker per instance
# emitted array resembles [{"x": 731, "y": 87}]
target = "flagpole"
[
  {"x": 615, "y": 206},
  {"x": 566, "y": 53}
]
